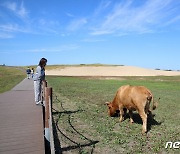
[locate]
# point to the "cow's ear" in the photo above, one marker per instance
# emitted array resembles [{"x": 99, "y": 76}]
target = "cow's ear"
[{"x": 107, "y": 103}]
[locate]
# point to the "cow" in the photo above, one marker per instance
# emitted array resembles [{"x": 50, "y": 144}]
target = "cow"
[{"x": 132, "y": 98}]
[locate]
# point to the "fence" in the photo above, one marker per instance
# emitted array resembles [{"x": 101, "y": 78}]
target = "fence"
[{"x": 47, "y": 114}]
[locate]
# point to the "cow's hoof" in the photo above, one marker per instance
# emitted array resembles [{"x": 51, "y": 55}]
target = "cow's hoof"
[
  {"x": 122, "y": 119},
  {"x": 131, "y": 121},
  {"x": 144, "y": 132}
]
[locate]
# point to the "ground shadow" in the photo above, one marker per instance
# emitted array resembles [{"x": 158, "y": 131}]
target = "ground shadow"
[
  {"x": 137, "y": 119},
  {"x": 75, "y": 144},
  {"x": 150, "y": 122}
]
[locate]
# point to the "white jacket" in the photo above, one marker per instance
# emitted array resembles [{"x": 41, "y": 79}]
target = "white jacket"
[{"x": 39, "y": 74}]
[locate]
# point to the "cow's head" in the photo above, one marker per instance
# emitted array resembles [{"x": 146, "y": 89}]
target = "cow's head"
[{"x": 111, "y": 109}]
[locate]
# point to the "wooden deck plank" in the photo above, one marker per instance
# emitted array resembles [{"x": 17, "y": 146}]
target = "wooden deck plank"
[{"x": 21, "y": 121}]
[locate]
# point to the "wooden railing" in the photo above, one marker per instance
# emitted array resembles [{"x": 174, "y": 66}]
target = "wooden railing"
[{"x": 47, "y": 108}]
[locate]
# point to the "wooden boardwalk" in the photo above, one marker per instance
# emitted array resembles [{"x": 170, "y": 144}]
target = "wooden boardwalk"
[{"x": 21, "y": 121}]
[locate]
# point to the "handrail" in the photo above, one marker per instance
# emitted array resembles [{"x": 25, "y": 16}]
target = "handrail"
[
  {"x": 51, "y": 127},
  {"x": 48, "y": 129}
]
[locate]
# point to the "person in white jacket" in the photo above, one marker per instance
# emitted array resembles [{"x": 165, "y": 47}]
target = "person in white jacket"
[{"x": 38, "y": 77}]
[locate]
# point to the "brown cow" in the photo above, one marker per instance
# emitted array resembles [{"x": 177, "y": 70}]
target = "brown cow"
[{"x": 132, "y": 98}]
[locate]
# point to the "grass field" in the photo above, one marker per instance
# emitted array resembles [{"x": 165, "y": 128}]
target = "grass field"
[
  {"x": 83, "y": 126},
  {"x": 10, "y": 76}
]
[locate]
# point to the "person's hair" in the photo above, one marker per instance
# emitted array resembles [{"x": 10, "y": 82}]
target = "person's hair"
[{"x": 42, "y": 62}]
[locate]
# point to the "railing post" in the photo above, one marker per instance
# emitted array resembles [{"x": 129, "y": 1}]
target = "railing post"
[
  {"x": 48, "y": 130},
  {"x": 44, "y": 84},
  {"x": 48, "y": 93},
  {"x": 50, "y": 124}
]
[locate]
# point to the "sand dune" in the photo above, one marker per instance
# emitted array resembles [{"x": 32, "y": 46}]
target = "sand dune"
[{"x": 108, "y": 71}]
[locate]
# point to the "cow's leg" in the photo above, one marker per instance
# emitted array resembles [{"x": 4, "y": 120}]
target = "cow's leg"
[
  {"x": 121, "y": 114},
  {"x": 148, "y": 111},
  {"x": 150, "y": 114},
  {"x": 131, "y": 116},
  {"x": 144, "y": 119}
]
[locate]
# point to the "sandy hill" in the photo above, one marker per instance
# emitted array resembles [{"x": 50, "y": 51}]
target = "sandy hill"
[{"x": 108, "y": 71}]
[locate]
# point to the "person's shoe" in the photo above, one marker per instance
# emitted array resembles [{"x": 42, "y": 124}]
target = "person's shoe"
[{"x": 39, "y": 103}]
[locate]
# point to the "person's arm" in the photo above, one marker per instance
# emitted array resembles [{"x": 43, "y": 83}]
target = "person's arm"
[
  {"x": 43, "y": 74},
  {"x": 38, "y": 73}
]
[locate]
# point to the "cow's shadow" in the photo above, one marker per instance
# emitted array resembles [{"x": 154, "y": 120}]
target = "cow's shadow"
[
  {"x": 150, "y": 121},
  {"x": 137, "y": 119}
]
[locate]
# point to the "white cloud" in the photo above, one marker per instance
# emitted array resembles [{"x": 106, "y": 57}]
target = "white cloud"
[
  {"x": 18, "y": 9},
  {"x": 12, "y": 28},
  {"x": 9, "y": 28},
  {"x": 5, "y": 36},
  {"x": 91, "y": 40},
  {"x": 62, "y": 48},
  {"x": 173, "y": 20},
  {"x": 102, "y": 7},
  {"x": 77, "y": 24},
  {"x": 22, "y": 12},
  {"x": 118, "y": 18},
  {"x": 125, "y": 17},
  {"x": 46, "y": 26},
  {"x": 12, "y": 6},
  {"x": 69, "y": 14},
  {"x": 101, "y": 32}
]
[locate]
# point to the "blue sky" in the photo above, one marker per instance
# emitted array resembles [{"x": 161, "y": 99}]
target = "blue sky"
[{"x": 143, "y": 33}]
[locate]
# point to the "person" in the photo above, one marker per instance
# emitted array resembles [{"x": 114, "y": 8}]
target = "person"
[
  {"x": 32, "y": 72},
  {"x": 28, "y": 71},
  {"x": 39, "y": 76}
]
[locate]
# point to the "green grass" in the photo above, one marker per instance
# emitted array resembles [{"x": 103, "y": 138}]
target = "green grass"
[
  {"x": 82, "y": 116},
  {"x": 10, "y": 76}
]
